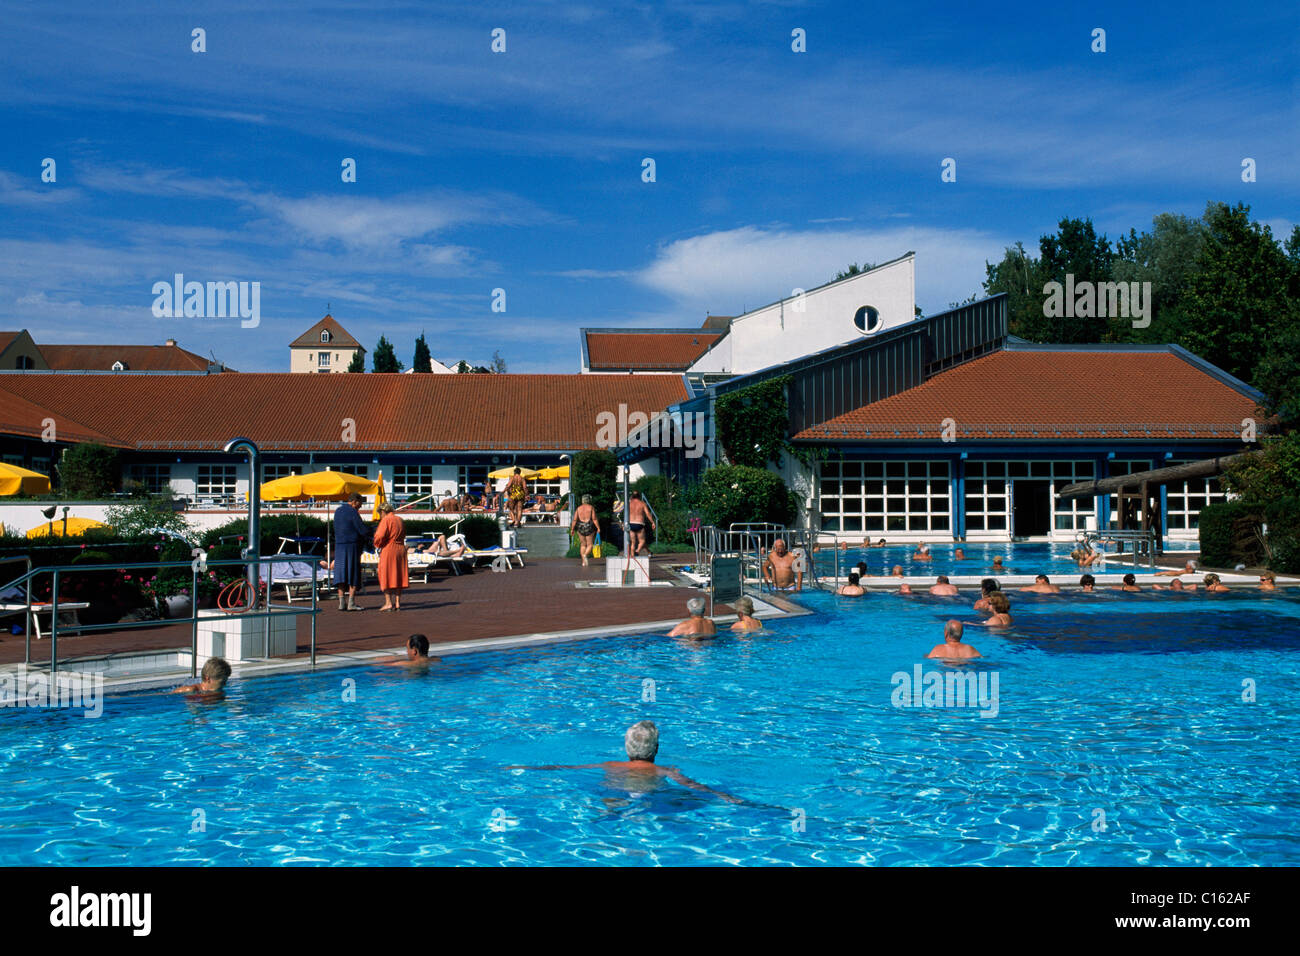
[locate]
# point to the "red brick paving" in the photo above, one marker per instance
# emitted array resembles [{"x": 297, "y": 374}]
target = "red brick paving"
[{"x": 540, "y": 597}]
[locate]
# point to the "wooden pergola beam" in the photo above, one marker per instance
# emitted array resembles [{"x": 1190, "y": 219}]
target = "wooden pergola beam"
[{"x": 1157, "y": 476}]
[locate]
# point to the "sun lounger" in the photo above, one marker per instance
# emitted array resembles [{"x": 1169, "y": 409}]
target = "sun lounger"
[
  {"x": 488, "y": 555},
  {"x": 40, "y": 607},
  {"x": 291, "y": 574}
]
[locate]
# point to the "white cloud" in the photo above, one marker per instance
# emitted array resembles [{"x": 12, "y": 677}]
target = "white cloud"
[{"x": 725, "y": 272}]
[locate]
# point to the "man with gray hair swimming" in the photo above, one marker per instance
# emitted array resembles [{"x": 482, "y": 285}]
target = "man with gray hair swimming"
[
  {"x": 639, "y": 773},
  {"x": 952, "y": 648},
  {"x": 697, "y": 625}
]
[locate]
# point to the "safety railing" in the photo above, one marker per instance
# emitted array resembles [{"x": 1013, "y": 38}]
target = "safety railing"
[
  {"x": 1143, "y": 544},
  {"x": 751, "y": 542},
  {"x": 59, "y": 574}
]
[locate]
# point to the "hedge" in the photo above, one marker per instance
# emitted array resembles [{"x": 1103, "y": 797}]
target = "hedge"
[
  {"x": 1230, "y": 534},
  {"x": 730, "y": 494}
]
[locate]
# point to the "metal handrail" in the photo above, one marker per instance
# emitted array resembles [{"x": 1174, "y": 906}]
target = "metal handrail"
[
  {"x": 249, "y": 612},
  {"x": 1148, "y": 539}
]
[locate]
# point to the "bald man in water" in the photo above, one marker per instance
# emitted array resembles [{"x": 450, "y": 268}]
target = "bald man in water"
[{"x": 952, "y": 648}]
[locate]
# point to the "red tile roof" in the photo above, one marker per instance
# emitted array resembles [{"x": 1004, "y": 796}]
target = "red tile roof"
[
  {"x": 6, "y": 338},
  {"x": 137, "y": 358},
  {"x": 342, "y": 338},
  {"x": 647, "y": 349},
  {"x": 1046, "y": 394},
  {"x": 284, "y": 410}
]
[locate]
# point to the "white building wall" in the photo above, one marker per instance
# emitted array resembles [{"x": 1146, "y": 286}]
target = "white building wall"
[{"x": 818, "y": 320}]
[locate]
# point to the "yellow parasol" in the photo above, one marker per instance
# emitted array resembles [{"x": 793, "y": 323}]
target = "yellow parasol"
[
  {"x": 19, "y": 481},
  {"x": 380, "y": 497},
  {"x": 554, "y": 472},
  {"x": 510, "y": 470},
  {"x": 322, "y": 486},
  {"x": 75, "y": 527}
]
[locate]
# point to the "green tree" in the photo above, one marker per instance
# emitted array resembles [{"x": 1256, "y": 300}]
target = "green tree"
[
  {"x": 1075, "y": 250},
  {"x": 1240, "y": 294},
  {"x": 592, "y": 473},
  {"x": 358, "y": 363},
  {"x": 729, "y": 494},
  {"x": 1166, "y": 257},
  {"x": 1020, "y": 277},
  {"x": 89, "y": 471},
  {"x": 853, "y": 270},
  {"x": 462, "y": 367},
  {"x": 422, "y": 360},
  {"x": 144, "y": 515},
  {"x": 498, "y": 363},
  {"x": 385, "y": 357}
]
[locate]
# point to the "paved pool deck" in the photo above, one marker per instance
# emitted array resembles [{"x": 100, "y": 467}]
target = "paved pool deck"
[{"x": 547, "y": 601}]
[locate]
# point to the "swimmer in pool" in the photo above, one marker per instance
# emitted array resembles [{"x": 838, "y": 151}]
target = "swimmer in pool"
[
  {"x": 853, "y": 588},
  {"x": 697, "y": 625},
  {"x": 1088, "y": 584},
  {"x": 1130, "y": 583},
  {"x": 1042, "y": 585},
  {"x": 897, "y": 572},
  {"x": 987, "y": 587},
  {"x": 1188, "y": 568},
  {"x": 1267, "y": 581},
  {"x": 952, "y": 648},
  {"x": 1174, "y": 585},
  {"x": 1212, "y": 583},
  {"x": 922, "y": 553},
  {"x": 1001, "y": 609},
  {"x": 959, "y": 555},
  {"x": 212, "y": 686},
  {"x": 417, "y": 654},
  {"x": 745, "y": 620},
  {"x": 861, "y": 567},
  {"x": 998, "y": 568},
  {"x": 942, "y": 588},
  {"x": 905, "y": 588},
  {"x": 638, "y": 773}
]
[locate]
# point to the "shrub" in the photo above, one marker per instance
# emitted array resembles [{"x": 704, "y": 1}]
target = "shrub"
[
  {"x": 1229, "y": 534},
  {"x": 1283, "y": 518},
  {"x": 89, "y": 471},
  {"x": 593, "y": 474},
  {"x": 145, "y": 515},
  {"x": 730, "y": 494},
  {"x": 270, "y": 529}
]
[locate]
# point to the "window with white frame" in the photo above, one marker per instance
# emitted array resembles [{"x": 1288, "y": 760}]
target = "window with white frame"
[
  {"x": 155, "y": 478},
  {"x": 1183, "y": 502},
  {"x": 988, "y": 496},
  {"x": 323, "y": 359},
  {"x": 891, "y": 496},
  {"x": 215, "y": 481},
  {"x": 324, "y": 335},
  {"x": 412, "y": 480},
  {"x": 470, "y": 479},
  {"x": 988, "y": 492},
  {"x": 272, "y": 472}
]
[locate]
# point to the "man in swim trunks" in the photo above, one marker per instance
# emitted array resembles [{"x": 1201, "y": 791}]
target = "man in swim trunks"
[
  {"x": 778, "y": 569},
  {"x": 638, "y": 516},
  {"x": 697, "y": 625},
  {"x": 942, "y": 588},
  {"x": 952, "y": 648}
]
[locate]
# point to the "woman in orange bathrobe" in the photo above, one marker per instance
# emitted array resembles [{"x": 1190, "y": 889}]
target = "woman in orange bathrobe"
[{"x": 390, "y": 539}]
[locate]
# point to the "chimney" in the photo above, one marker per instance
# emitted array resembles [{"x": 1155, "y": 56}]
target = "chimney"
[{"x": 170, "y": 343}]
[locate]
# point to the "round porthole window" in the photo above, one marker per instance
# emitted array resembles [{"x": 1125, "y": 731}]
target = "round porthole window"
[{"x": 867, "y": 319}]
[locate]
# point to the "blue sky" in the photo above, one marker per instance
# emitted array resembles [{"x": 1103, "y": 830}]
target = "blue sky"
[{"x": 522, "y": 170}]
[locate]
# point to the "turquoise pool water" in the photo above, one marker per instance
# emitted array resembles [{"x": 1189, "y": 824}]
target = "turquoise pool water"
[
  {"x": 1127, "y": 706},
  {"x": 1020, "y": 558}
]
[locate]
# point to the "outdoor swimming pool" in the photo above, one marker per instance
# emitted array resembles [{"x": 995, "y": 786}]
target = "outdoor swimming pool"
[
  {"x": 1022, "y": 558},
  {"x": 1124, "y": 705}
]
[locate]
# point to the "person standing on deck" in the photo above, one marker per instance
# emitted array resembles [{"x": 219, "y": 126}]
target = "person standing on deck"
[
  {"x": 516, "y": 491},
  {"x": 390, "y": 539},
  {"x": 638, "y": 516},
  {"x": 586, "y": 525},
  {"x": 350, "y": 536}
]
